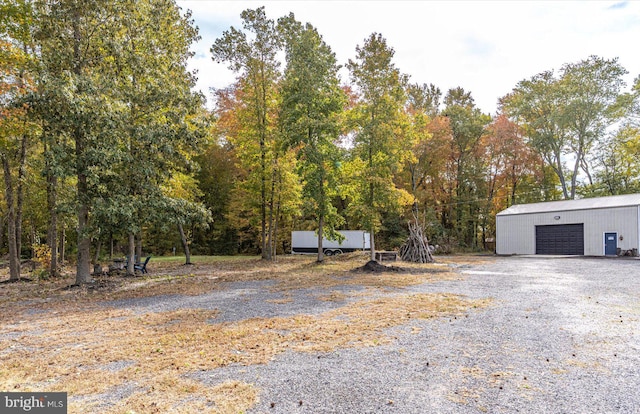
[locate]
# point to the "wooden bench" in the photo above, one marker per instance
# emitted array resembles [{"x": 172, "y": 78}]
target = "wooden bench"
[{"x": 386, "y": 256}]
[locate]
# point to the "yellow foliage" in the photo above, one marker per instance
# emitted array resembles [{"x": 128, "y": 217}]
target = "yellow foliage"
[{"x": 42, "y": 257}]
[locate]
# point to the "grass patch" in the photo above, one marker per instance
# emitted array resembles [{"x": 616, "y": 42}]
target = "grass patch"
[
  {"x": 179, "y": 260},
  {"x": 56, "y": 339}
]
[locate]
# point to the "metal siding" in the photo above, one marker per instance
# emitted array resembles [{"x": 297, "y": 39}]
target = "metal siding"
[
  {"x": 621, "y": 220},
  {"x": 626, "y": 200},
  {"x": 515, "y": 234}
]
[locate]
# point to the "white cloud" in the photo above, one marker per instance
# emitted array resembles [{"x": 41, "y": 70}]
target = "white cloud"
[{"x": 486, "y": 47}]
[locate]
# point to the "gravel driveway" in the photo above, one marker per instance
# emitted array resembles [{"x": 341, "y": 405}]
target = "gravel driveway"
[{"x": 562, "y": 336}]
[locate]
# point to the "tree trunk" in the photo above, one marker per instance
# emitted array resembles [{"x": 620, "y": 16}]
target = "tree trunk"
[
  {"x": 97, "y": 267},
  {"x": 585, "y": 167},
  {"x": 274, "y": 248},
  {"x": 371, "y": 199},
  {"x": 52, "y": 231},
  {"x": 2, "y": 233},
  {"x": 83, "y": 268},
  {"x": 63, "y": 243},
  {"x": 320, "y": 236},
  {"x": 98, "y": 248},
  {"x": 20, "y": 192},
  {"x": 263, "y": 199},
  {"x": 558, "y": 168},
  {"x": 132, "y": 253},
  {"x": 261, "y": 108},
  {"x": 185, "y": 245},
  {"x": 271, "y": 206},
  {"x": 263, "y": 231},
  {"x": 139, "y": 246},
  {"x": 14, "y": 261},
  {"x": 373, "y": 245},
  {"x": 574, "y": 177}
]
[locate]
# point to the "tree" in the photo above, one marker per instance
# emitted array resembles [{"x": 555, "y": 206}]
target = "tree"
[
  {"x": 76, "y": 41},
  {"x": 16, "y": 128},
  {"x": 163, "y": 116},
  {"x": 566, "y": 116},
  {"x": 377, "y": 117},
  {"x": 508, "y": 162},
  {"x": 183, "y": 209},
  {"x": 424, "y": 99},
  {"x": 422, "y": 107},
  {"x": 618, "y": 156},
  {"x": 254, "y": 59},
  {"x": 216, "y": 178},
  {"x": 312, "y": 101},
  {"x": 618, "y": 163},
  {"x": 509, "y": 159},
  {"x": 467, "y": 125},
  {"x": 591, "y": 87},
  {"x": 115, "y": 89}
]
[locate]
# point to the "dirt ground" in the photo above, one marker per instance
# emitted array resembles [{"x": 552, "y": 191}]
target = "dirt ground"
[
  {"x": 240, "y": 335},
  {"x": 122, "y": 345}
]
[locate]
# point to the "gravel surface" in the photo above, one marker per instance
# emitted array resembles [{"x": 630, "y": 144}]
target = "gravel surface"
[
  {"x": 243, "y": 300},
  {"x": 562, "y": 336}
]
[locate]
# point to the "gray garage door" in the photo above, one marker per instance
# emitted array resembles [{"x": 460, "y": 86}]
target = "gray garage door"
[{"x": 560, "y": 239}]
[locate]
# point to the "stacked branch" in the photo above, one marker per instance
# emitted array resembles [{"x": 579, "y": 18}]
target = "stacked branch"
[{"x": 416, "y": 248}]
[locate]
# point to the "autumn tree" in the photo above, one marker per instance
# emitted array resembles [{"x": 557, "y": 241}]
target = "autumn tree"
[
  {"x": 183, "y": 209},
  {"x": 423, "y": 105},
  {"x": 252, "y": 55},
  {"x": 17, "y": 131},
  {"x": 424, "y": 99},
  {"x": 216, "y": 178},
  {"x": 618, "y": 163},
  {"x": 377, "y": 117},
  {"x": 509, "y": 163},
  {"x": 467, "y": 125},
  {"x": 312, "y": 101}
]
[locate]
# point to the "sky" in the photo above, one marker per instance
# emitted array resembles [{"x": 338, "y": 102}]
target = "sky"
[{"x": 485, "y": 47}]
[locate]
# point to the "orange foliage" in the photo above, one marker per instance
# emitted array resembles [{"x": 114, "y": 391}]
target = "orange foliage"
[{"x": 509, "y": 160}]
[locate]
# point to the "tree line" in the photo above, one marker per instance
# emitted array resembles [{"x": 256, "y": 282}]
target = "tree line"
[{"x": 105, "y": 146}]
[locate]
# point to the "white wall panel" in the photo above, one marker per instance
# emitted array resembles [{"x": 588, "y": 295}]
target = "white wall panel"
[{"x": 515, "y": 234}]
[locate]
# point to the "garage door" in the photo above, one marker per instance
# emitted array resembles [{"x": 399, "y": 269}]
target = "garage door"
[{"x": 560, "y": 239}]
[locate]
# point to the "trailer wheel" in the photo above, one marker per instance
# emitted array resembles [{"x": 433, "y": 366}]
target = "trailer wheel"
[
  {"x": 336, "y": 252},
  {"x": 328, "y": 252}
]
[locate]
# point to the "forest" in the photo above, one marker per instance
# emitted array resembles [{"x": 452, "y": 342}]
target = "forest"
[{"x": 107, "y": 151}]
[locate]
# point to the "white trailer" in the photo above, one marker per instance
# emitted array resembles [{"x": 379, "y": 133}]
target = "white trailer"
[{"x": 307, "y": 242}]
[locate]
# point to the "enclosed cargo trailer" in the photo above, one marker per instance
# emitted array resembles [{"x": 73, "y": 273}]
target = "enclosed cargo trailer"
[{"x": 306, "y": 242}]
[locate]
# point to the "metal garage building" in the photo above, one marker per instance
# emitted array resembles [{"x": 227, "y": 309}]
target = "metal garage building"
[{"x": 592, "y": 227}]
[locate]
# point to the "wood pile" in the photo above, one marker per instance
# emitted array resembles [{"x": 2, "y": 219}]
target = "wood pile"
[{"x": 416, "y": 248}]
